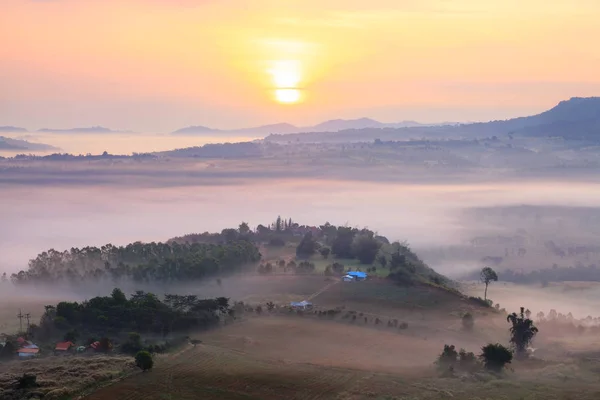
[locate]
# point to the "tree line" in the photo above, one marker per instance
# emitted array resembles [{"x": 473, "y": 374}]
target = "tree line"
[
  {"x": 110, "y": 319},
  {"x": 142, "y": 262}
]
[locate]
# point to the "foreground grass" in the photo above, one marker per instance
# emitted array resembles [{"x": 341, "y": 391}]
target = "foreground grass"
[
  {"x": 60, "y": 377},
  {"x": 210, "y": 372}
]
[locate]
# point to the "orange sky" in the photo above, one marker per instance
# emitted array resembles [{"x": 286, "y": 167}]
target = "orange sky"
[{"x": 157, "y": 65}]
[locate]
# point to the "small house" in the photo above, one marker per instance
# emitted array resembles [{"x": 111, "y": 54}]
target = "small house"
[
  {"x": 301, "y": 305},
  {"x": 28, "y": 352},
  {"x": 63, "y": 347},
  {"x": 357, "y": 275},
  {"x": 348, "y": 278}
]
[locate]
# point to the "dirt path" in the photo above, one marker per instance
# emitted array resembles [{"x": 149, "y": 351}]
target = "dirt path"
[{"x": 327, "y": 287}]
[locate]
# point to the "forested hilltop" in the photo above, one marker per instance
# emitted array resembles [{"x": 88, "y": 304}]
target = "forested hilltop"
[{"x": 326, "y": 249}]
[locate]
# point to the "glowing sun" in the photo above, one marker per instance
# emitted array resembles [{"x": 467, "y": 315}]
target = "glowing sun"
[{"x": 286, "y": 75}]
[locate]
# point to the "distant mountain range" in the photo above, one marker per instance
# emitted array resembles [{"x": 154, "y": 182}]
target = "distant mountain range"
[
  {"x": 574, "y": 119},
  {"x": 333, "y": 125},
  {"x": 12, "y": 129},
  {"x": 23, "y": 145},
  {"x": 93, "y": 129}
]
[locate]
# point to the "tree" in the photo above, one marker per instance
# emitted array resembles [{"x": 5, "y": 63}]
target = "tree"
[
  {"x": 382, "y": 260},
  {"x": 522, "y": 332},
  {"x": 495, "y": 357},
  {"x": 307, "y": 246},
  {"x": 365, "y": 248},
  {"x": 325, "y": 252},
  {"x": 4, "y": 278},
  {"x": 118, "y": 296},
  {"x": 244, "y": 228},
  {"x": 71, "y": 336},
  {"x": 468, "y": 322},
  {"x": 133, "y": 344},
  {"x": 144, "y": 360},
  {"x": 487, "y": 276},
  {"x": 105, "y": 345}
]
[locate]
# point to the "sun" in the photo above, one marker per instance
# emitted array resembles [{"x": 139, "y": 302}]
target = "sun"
[
  {"x": 287, "y": 96},
  {"x": 286, "y": 76}
]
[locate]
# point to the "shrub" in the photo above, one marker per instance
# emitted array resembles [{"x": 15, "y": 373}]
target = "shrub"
[
  {"x": 144, "y": 360},
  {"x": 468, "y": 322},
  {"x": 27, "y": 381},
  {"x": 403, "y": 325},
  {"x": 448, "y": 358},
  {"x": 467, "y": 361},
  {"x": 481, "y": 302},
  {"x": 495, "y": 357}
]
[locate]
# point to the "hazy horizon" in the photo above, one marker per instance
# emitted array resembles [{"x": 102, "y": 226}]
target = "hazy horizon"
[{"x": 161, "y": 65}]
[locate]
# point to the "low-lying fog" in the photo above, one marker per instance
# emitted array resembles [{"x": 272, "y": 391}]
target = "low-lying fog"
[
  {"x": 125, "y": 143},
  {"x": 36, "y": 218}
]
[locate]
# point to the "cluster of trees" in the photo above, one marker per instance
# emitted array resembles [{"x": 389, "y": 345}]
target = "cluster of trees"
[
  {"x": 589, "y": 273},
  {"x": 140, "y": 262},
  {"x": 142, "y": 312},
  {"x": 342, "y": 242},
  {"x": 302, "y": 267},
  {"x": 493, "y": 357}
]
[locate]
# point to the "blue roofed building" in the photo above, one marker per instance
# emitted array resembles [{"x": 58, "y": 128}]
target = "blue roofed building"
[{"x": 359, "y": 276}]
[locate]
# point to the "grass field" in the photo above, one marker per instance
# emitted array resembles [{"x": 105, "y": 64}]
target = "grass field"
[
  {"x": 293, "y": 357},
  {"x": 275, "y": 358}
]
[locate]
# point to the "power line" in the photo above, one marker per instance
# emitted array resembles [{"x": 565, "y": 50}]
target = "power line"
[{"x": 20, "y": 316}]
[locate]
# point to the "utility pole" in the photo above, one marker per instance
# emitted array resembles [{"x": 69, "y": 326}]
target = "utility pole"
[
  {"x": 20, "y": 316},
  {"x": 27, "y": 316}
]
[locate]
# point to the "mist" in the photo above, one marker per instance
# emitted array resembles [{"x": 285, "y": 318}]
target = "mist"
[
  {"x": 122, "y": 143},
  {"x": 431, "y": 217}
]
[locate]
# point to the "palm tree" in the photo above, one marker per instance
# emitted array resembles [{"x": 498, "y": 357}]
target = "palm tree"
[{"x": 522, "y": 332}]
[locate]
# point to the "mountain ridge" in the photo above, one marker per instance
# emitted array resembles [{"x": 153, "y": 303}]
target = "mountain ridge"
[
  {"x": 577, "y": 118},
  {"x": 332, "y": 125}
]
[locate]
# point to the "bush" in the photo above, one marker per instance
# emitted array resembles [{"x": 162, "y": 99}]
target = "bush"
[
  {"x": 403, "y": 325},
  {"x": 495, "y": 357},
  {"x": 447, "y": 360},
  {"x": 481, "y": 302},
  {"x": 27, "y": 381},
  {"x": 467, "y": 361},
  {"x": 144, "y": 360},
  {"x": 468, "y": 321}
]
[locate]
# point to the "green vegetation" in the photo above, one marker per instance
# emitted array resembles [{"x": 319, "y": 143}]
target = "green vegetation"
[
  {"x": 522, "y": 331},
  {"x": 488, "y": 276},
  {"x": 143, "y": 312},
  {"x": 468, "y": 321},
  {"x": 495, "y": 357},
  {"x": 142, "y": 262},
  {"x": 144, "y": 360}
]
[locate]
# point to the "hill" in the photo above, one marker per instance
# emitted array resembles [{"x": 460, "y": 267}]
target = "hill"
[
  {"x": 23, "y": 145},
  {"x": 333, "y": 125},
  {"x": 12, "y": 129},
  {"x": 574, "y": 119},
  {"x": 93, "y": 129}
]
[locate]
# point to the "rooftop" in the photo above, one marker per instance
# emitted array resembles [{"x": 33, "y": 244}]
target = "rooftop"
[{"x": 64, "y": 346}]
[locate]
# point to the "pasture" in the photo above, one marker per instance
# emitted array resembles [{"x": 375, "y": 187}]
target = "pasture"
[{"x": 282, "y": 358}]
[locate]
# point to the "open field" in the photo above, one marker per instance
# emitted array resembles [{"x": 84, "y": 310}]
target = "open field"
[
  {"x": 275, "y": 358},
  {"x": 59, "y": 377}
]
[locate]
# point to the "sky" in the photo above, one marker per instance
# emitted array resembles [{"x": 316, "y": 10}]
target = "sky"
[{"x": 159, "y": 65}]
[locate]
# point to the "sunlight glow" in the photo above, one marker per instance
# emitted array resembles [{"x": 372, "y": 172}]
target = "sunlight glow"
[
  {"x": 286, "y": 75},
  {"x": 287, "y": 96}
]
